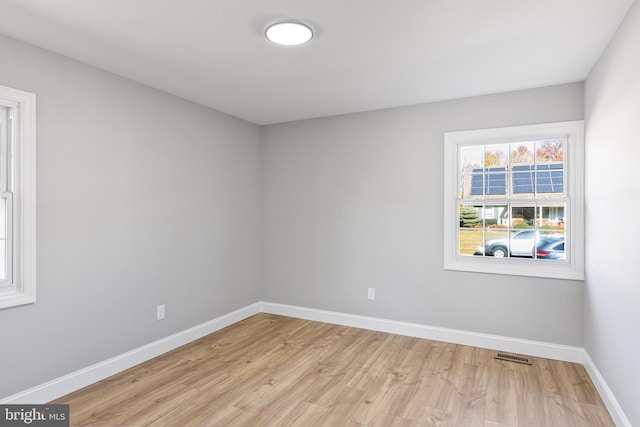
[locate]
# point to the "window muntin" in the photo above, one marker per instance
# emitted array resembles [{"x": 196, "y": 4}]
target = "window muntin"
[{"x": 508, "y": 190}]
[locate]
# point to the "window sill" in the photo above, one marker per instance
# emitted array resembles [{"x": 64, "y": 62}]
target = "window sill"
[
  {"x": 553, "y": 269},
  {"x": 14, "y": 299}
]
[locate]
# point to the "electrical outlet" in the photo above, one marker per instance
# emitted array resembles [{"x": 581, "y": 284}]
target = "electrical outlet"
[
  {"x": 371, "y": 293},
  {"x": 160, "y": 312}
]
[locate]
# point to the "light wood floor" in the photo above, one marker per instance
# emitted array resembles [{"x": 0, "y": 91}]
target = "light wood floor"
[{"x": 277, "y": 371}]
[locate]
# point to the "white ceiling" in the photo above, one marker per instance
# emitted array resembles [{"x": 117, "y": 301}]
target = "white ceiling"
[{"x": 366, "y": 54}]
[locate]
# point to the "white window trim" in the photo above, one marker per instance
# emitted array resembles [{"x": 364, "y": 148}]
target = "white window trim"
[
  {"x": 24, "y": 200},
  {"x": 573, "y": 267}
]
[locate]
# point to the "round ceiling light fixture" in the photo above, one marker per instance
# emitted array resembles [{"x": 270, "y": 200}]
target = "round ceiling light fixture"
[{"x": 289, "y": 33}]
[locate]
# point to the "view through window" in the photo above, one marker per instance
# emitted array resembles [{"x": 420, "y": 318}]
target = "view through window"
[{"x": 512, "y": 199}]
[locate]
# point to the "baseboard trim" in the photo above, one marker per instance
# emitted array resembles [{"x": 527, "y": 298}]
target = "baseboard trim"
[
  {"x": 76, "y": 380},
  {"x": 610, "y": 401},
  {"x": 493, "y": 342}
]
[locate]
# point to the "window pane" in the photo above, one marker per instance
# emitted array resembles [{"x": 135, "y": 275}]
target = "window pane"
[
  {"x": 470, "y": 241},
  {"x": 496, "y": 155},
  {"x": 550, "y": 180},
  {"x": 472, "y": 172},
  {"x": 3, "y": 259},
  {"x": 522, "y": 153},
  {"x": 522, "y": 217},
  {"x": 470, "y": 216},
  {"x": 496, "y": 216},
  {"x": 522, "y": 177},
  {"x": 522, "y": 169},
  {"x": 4, "y": 152},
  {"x": 495, "y": 181},
  {"x": 551, "y": 217},
  {"x": 549, "y": 151},
  {"x": 496, "y": 244},
  {"x": 550, "y": 168},
  {"x": 3, "y": 218},
  {"x": 551, "y": 246}
]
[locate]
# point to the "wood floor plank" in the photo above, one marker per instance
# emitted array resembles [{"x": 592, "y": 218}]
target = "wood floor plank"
[
  {"x": 583, "y": 387},
  {"x": 561, "y": 401},
  {"x": 272, "y": 370},
  {"x": 305, "y": 414},
  {"x": 470, "y": 408},
  {"x": 502, "y": 406},
  {"x": 489, "y": 423}
]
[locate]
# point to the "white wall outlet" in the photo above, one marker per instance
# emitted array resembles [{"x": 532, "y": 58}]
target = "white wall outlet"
[
  {"x": 160, "y": 312},
  {"x": 371, "y": 293}
]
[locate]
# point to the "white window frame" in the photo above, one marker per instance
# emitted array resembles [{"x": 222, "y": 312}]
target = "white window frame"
[
  {"x": 573, "y": 267},
  {"x": 20, "y": 288}
]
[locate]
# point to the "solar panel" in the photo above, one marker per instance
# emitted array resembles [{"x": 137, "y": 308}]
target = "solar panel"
[
  {"x": 557, "y": 180},
  {"x": 496, "y": 183},
  {"x": 477, "y": 182},
  {"x": 522, "y": 181},
  {"x": 550, "y": 178},
  {"x": 543, "y": 178}
]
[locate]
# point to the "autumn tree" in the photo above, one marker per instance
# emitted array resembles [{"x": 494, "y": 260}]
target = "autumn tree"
[
  {"x": 494, "y": 158},
  {"x": 522, "y": 154},
  {"x": 550, "y": 151}
]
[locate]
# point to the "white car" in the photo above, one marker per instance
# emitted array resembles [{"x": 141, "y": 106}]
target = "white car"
[{"x": 521, "y": 243}]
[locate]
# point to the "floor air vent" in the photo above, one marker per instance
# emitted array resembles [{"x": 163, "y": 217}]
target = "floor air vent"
[{"x": 512, "y": 358}]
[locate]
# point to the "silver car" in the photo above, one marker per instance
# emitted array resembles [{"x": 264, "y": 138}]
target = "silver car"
[{"x": 520, "y": 243}]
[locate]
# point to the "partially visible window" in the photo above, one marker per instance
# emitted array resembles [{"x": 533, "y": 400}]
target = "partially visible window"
[
  {"x": 514, "y": 200},
  {"x": 17, "y": 198}
]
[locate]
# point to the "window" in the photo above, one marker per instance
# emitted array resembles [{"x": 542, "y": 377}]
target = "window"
[
  {"x": 514, "y": 200},
  {"x": 17, "y": 198}
]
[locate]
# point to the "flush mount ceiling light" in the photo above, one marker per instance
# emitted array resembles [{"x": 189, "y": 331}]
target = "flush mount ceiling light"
[{"x": 289, "y": 33}]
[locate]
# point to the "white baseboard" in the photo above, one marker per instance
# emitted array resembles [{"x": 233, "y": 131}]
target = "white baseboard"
[
  {"x": 76, "y": 380},
  {"x": 493, "y": 342},
  {"x": 610, "y": 401}
]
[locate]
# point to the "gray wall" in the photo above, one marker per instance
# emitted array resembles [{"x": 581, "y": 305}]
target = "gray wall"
[
  {"x": 355, "y": 201},
  {"x": 612, "y": 296},
  {"x": 143, "y": 199}
]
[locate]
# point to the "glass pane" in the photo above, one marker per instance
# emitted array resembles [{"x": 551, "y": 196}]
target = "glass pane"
[
  {"x": 551, "y": 218},
  {"x": 522, "y": 169},
  {"x": 550, "y": 168},
  {"x": 472, "y": 172},
  {"x": 496, "y": 216},
  {"x": 496, "y": 244},
  {"x": 550, "y": 180},
  {"x": 3, "y": 218},
  {"x": 496, "y": 155},
  {"x": 470, "y": 241},
  {"x": 522, "y": 242},
  {"x": 550, "y": 151},
  {"x": 496, "y": 160},
  {"x": 470, "y": 216},
  {"x": 495, "y": 181},
  {"x": 522, "y": 217},
  {"x": 522, "y": 153},
  {"x": 551, "y": 246},
  {"x": 4, "y": 153},
  {"x": 3, "y": 260}
]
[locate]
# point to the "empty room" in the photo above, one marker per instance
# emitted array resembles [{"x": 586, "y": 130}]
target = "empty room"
[{"x": 297, "y": 213}]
